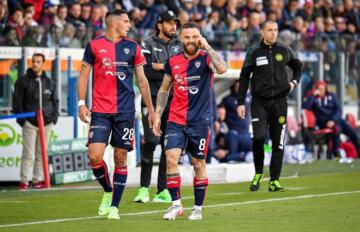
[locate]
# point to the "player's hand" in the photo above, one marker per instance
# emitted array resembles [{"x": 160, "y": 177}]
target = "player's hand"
[
  {"x": 156, "y": 125},
  {"x": 151, "y": 118},
  {"x": 158, "y": 66},
  {"x": 316, "y": 92},
  {"x": 202, "y": 42},
  {"x": 241, "y": 111},
  {"x": 84, "y": 114},
  {"x": 330, "y": 124},
  {"x": 292, "y": 86}
]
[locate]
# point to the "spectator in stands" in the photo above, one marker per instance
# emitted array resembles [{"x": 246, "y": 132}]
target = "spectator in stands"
[
  {"x": 28, "y": 20},
  {"x": 16, "y": 21},
  {"x": 35, "y": 37},
  {"x": 254, "y": 27},
  {"x": 328, "y": 113},
  {"x": 190, "y": 7},
  {"x": 85, "y": 13},
  {"x": 154, "y": 9},
  {"x": 238, "y": 139},
  {"x": 3, "y": 20},
  {"x": 38, "y": 7},
  {"x": 11, "y": 38},
  {"x": 352, "y": 16},
  {"x": 54, "y": 35},
  {"x": 60, "y": 17},
  {"x": 330, "y": 29},
  {"x": 29, "y": 8},
  {"x": 183, "y": 17},
  {"x": 289, "y": 13},
  {"x": 96, "y": 21},
  {"x": 74, "y": 14},
  {"x": 26, "y": 99},
  {"x": 68, "y": 39},
  {"x": 47, "y": 17},
  {"x": 220, "y": 125}
]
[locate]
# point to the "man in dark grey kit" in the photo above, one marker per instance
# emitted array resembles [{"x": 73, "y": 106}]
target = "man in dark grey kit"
[{"x": 157, "y": 49}]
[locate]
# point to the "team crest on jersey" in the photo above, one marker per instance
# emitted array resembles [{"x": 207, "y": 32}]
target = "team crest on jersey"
[
  {"x": 126, "y": 50},
  {"x": 197, "y": 64}
]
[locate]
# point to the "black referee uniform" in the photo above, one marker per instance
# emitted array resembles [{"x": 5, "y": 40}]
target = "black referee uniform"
[{"x": 269, "y": 89}]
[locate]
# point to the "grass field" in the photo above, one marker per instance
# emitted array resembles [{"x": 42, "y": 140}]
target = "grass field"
[{"x": 322, "y": 196}]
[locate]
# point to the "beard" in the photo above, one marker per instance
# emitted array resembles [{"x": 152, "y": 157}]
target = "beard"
[
  {"x": 169, "y": 34},
  {"x": 189, "y": 51}
]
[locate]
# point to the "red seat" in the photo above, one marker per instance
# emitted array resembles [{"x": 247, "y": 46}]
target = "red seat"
[
  {"x": 314, "y": 137},
  {"x": 350, "y": 118}
]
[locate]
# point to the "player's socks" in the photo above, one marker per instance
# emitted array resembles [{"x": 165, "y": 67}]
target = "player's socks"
[
  {"x": 119, "y": 182},
  {"x": 173, "y": 185},
  {"x": 102, "y": 175},
  {"x": 199, "y": 191}
]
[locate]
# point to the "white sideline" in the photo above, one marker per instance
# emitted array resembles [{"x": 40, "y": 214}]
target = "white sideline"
[{"x": 208, "y": 206}]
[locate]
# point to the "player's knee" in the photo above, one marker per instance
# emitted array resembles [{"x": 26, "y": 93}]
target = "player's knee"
[
  {"x": 171, "y": 162},
  {"x": 94, "y": 158},
  {"x": 199, "y": 165}
]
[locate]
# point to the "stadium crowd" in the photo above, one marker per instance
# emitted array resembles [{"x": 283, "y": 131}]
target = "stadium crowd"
[{"x": 227, "y": 24}]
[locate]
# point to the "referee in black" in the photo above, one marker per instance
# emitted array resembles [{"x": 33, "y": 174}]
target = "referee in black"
[{"x": 267, "y": 62}]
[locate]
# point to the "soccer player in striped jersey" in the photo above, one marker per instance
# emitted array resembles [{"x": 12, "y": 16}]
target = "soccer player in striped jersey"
[
  {"x": 112, "y": 58},
  {"x": 191, "y": 74}
]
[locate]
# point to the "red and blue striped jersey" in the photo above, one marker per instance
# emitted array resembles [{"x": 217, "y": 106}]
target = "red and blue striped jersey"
[
  {"x": 192, "y": 83},
  {"x": 113, "y": 66}
]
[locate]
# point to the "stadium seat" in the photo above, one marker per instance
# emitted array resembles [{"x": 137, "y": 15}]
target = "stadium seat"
[
  {"x": 316, "y": 140},
  {"x": 350, "y": 118}
]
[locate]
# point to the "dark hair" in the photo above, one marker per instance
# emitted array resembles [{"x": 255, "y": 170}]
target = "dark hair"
[
  {"x": 117, "y": 12},
  {"x": 39, "y": 54},
  {"x": 190, "y": 25},
  {"x": 267, "y": 21}
]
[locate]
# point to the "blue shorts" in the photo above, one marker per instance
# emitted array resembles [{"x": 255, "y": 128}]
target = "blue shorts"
[
  {"x": 193, "y": 139},
  {"x": 121, "y": 127}
]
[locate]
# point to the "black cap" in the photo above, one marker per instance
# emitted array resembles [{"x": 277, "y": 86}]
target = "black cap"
[{"x": 167, "y": 15}]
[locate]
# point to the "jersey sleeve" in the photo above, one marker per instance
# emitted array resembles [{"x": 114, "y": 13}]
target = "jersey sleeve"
[
  {"x": 139, "y": 58},
  {"x": 168, "y": 68},
  {"x": 88, "y": 57}
]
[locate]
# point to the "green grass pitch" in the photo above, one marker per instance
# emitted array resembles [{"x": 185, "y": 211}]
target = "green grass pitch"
[{"x": 321, "y": 196}]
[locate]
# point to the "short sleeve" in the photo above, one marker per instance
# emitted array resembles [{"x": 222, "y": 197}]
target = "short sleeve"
[
  {"x": 168, "y": 68},
  {"x": 208, "y": 61},
  {"x": 88, "y": 58},
  {"x": 139, "y": 58}
]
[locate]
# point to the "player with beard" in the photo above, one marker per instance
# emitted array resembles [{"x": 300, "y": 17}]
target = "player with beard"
[
  {"x": 157, "y": 49},
  {"x": 191, "y": 74}
]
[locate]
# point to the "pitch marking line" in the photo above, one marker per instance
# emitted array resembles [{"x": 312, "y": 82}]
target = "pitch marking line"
[{"x": 208, "y": 206}]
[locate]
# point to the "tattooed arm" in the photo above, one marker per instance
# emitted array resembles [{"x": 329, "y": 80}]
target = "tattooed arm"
[
  {"x": 161, "y": 102},
  {"x": 218, "y": 64}
]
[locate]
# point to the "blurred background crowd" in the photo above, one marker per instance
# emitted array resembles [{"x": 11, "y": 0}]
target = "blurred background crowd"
[{"x": 228, "y": 24}]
